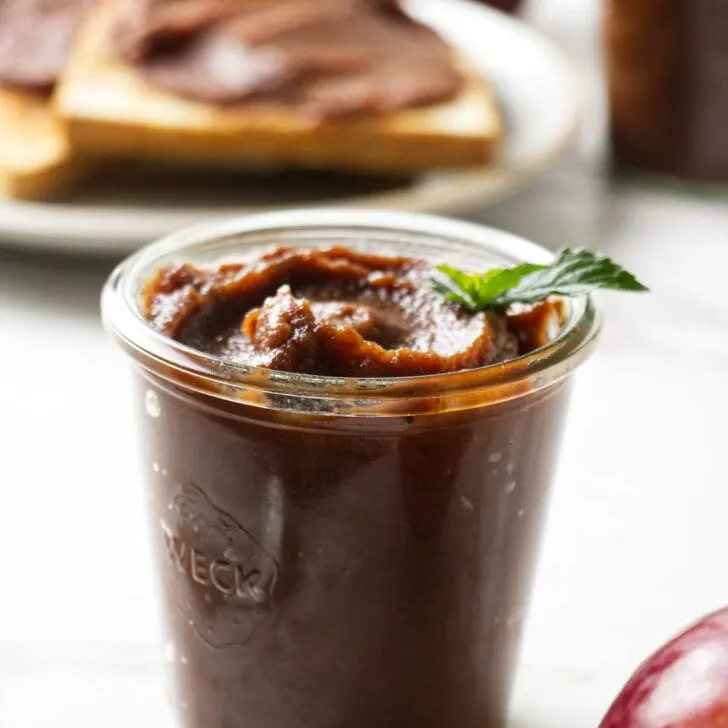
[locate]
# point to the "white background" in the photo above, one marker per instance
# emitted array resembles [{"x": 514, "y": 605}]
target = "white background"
[{"x": 636, "y": 540}]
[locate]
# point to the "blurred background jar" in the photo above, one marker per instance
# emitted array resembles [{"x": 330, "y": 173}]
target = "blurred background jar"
[{"x": 667, "y": 70}]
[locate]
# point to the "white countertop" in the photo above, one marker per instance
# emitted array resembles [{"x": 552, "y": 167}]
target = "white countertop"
[{"x": 636, "y": 537}]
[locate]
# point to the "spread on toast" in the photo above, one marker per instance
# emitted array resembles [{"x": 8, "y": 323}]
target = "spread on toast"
[
  {"x": 36, "y": 40},
  {"x": 322, "y": 58}
]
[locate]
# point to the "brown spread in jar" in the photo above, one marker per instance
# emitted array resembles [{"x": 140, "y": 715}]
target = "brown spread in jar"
[
  {"x": 666, "y": 63},
  {"x": 327, "y": 560},
  {"x": 36, "y": 39},
  {"x": 335, "y": 312},
  {"x": 322, "y": 58}
]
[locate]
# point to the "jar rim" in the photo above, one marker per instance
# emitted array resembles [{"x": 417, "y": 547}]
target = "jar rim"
[{"x": 207, "y": 373}]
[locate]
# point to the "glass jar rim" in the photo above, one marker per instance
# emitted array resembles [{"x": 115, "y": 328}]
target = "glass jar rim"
[{"x": 206, "y": 373}]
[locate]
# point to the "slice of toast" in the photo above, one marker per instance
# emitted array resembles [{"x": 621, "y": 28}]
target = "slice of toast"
[
  {"x": 35, "y": 155},
  {"x": 111, "y": 110}
]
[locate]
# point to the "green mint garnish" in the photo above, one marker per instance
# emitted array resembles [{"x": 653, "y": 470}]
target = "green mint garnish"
[{"x": 573, "y": 273}]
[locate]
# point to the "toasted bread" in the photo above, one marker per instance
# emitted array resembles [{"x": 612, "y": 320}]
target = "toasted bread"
[
  {"x": 35, "y": 155},
  {"x": 111, "y": 110}
]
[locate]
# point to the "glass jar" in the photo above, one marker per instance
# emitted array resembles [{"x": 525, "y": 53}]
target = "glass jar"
[
  {"x": 667, "y": 64},
  {"x": 339, "y": 551}
]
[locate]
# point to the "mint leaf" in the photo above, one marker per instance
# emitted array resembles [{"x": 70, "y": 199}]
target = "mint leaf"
[
  {"x": 573, "y": 273},
  {"x": 476, "y": 290}
]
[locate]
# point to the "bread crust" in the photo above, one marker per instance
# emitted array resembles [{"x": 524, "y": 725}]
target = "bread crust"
[{"x": 36, "y": 161}]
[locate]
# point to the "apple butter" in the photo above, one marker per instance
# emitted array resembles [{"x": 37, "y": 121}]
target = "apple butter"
[
  {"x": 36, "y": 40},
  {"x": 319, "y": 58},
  {"x": 347, "y": 473},
  {"x": 668, "y": 88}
]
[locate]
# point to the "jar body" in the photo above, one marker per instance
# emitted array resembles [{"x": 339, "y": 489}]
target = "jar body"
[
  {"x": 349, "y": 571},
  {"x": 668, "y": 87},
  {"x": 343, "y": 552}
]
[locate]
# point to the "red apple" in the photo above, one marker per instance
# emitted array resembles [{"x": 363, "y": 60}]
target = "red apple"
[{"x": 683, "y": 685}]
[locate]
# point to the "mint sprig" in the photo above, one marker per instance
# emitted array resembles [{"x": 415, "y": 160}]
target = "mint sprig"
[{"x": 573, "y": 273}]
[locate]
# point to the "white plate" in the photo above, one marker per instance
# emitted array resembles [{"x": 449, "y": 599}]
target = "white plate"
[{"x": 130, "y": 206}]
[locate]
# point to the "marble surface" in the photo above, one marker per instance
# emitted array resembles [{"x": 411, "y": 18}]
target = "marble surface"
[{"x": 636, "y": 537}]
